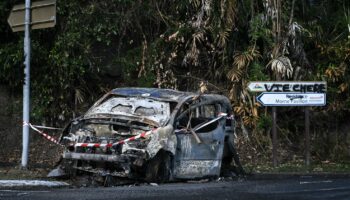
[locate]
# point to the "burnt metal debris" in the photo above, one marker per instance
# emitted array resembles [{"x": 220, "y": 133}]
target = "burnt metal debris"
[{"x": 151, "y": 134}]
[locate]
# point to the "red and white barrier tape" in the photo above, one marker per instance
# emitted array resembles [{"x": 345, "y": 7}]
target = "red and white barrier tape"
[
  {"x": 108, "y": 145},
  {"x": 46, "y": 136},
  {"x": 47, "y": 127},
  {"x": 142, "y": 135},
  {"x": 225, "y": 115},
  {"x": 99, "y": 145},
  {"x": 96, "y": 145}
]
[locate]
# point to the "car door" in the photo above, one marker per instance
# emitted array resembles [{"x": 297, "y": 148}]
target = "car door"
[{"x": 200, "y": 133}]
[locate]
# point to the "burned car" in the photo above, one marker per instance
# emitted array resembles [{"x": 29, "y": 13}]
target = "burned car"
[{"x": 151, "y": 134}]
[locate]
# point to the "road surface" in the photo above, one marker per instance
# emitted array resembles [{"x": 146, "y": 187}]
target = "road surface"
[{"x": 304, "y": 187}]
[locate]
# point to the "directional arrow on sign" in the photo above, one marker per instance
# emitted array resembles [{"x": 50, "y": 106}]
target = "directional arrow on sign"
[
  {"x": 256, "y": 86},
  {"x": 291, "y": 99}
]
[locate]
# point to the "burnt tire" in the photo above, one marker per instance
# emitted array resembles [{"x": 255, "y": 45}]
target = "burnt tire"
[{"x": 158, "y": 169}]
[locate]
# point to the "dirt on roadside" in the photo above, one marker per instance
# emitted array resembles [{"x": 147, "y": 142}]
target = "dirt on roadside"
[
  {"x": 13, "y": 172},
  {"x": 43, "y": 155}
]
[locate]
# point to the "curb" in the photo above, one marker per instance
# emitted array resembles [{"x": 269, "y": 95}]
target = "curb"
[{"x": 31, "y": 184}]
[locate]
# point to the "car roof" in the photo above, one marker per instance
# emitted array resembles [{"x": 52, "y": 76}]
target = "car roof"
[
  {"x": 164, "y": 94},
  {"x": 168, "y": 95}
]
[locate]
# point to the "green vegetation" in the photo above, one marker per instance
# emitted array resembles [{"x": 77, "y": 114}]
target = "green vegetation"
[{"x": 100, "y": 45}]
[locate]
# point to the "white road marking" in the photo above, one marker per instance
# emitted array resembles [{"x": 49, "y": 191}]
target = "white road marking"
[{"x": 312, "y": 182}]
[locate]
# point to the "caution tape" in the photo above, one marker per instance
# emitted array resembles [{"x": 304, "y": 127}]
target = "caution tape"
[
  {"x": 96, "y": 145},
  {"x": 45, "y": 135},
  {"x": 226, "y": 115},
  {"x": 142, "y": 135},
  {"x": 47, "y": 127},
  {"x": 108, "y": 145}
]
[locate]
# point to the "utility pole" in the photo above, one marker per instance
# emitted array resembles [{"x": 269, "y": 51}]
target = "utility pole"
[{"x": 26, "y": 86}]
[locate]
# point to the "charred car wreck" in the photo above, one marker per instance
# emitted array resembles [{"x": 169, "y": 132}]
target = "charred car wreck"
[{"x": 151, "y": 134}]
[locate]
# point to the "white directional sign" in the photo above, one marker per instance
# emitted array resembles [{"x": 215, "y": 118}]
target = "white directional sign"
[
  {"x": 288, "y": 86},
  {"x": 292, "y": 99}
]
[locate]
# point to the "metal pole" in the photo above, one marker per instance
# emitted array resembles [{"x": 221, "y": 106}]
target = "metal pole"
[
  {"x": 274, "y": 137},
  {"x": 26, "y": 86},
  {"x": 307, "y": 136}
]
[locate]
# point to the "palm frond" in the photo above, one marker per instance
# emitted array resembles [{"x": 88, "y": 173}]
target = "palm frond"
[{"x": 281, "y": 66}]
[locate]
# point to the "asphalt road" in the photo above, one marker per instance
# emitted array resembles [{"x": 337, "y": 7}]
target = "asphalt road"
[{"x": 305, "y": 187}]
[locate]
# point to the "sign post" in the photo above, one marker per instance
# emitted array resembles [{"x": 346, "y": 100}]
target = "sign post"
[
  {"x": 41, "y": 14},
  {"x": 274, "y": 137},
  {"x": 307, "y": 136},
  {"x": 26, "y": 86},
  {"x": 286, "y": 93}
]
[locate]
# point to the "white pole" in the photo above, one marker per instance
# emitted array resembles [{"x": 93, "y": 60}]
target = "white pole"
[{"x": 26, "y": 86}]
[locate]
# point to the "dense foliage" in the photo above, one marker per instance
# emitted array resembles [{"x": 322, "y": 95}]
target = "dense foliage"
[{"x": 100, "y": 45}]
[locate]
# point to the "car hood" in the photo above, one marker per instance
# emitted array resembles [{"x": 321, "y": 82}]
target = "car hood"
[{"x": 136, "y": 108}]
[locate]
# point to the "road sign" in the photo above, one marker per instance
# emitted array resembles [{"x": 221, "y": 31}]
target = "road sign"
[
  {"x": 291, "y": 99},
  {"x": 43, "y": 15},
  {"x": 288, "y": 86}
]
